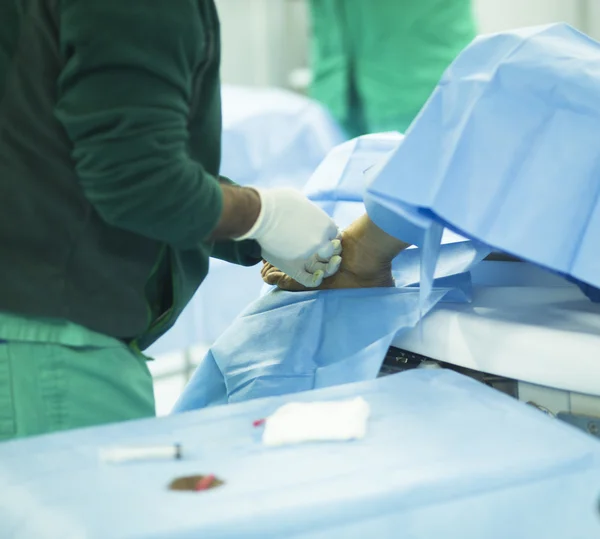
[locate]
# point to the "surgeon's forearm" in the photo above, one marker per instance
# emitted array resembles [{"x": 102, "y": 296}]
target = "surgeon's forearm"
[
  {"x": 241, "y": 207},
  {"x": 375, "y": 244}
]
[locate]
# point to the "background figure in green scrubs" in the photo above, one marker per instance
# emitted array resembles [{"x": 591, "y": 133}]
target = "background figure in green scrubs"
[
  {"x": 376, "y": 62},
  {"x": 111, "y": 203}
]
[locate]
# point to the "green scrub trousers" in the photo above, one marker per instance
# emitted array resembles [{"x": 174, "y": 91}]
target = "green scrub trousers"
[
  {"x": 57, "y": 375},
  {"x": 376, "y": 62}
]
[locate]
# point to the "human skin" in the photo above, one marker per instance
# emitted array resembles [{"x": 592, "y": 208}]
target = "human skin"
[
  {"x": 241, "y": 207},
  {"x": 367, "y": 258}
]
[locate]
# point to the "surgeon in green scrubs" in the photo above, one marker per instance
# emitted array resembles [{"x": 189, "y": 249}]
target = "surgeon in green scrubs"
[
  {"x": 375, "y": 62},
  {"x": 111, "y": 203}
]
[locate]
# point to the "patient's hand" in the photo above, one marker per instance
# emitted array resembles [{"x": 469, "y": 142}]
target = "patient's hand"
[{"x": 366, "y": 261}]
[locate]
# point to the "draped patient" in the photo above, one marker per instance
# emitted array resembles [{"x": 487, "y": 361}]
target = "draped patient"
[{"x": 366, "y": 263}]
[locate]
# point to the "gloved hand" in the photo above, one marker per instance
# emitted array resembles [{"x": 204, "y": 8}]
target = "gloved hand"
[
  {"x": 368, "y": 255},
  {"x": 296, "y": 236}
]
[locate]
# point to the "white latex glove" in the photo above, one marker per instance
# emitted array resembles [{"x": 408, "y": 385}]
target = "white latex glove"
[
  {"x": 296, "y": 236},
  {"x": 310, "y": 272}
]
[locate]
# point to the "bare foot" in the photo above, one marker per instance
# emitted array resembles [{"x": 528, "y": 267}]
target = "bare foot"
[{"x": 366, "y": 261}]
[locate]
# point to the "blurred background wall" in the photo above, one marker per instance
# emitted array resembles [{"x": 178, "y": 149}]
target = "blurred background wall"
[{"x": 265, "y": 42}]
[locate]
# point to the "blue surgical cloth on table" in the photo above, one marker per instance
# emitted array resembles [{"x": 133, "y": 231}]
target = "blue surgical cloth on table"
[
  {"x": 288, "y": 342},
  {"x": 444, "y": 457},
  {"x": 506, "y": 152}
]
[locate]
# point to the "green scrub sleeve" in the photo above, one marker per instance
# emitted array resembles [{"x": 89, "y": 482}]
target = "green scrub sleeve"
[
  {"x": 243, "y": 253},
  {"x": 124, "y": 99}
]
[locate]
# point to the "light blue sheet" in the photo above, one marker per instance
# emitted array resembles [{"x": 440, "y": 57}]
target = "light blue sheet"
[
  {"x": 289, "y": 342},
  {"x": 506, "y": 152},
  {"x": 444, "y": 457}
]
